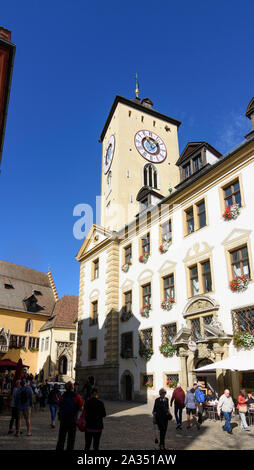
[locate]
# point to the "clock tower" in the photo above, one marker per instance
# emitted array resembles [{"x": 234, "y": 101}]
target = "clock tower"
[{"x": 139, "y": 152}]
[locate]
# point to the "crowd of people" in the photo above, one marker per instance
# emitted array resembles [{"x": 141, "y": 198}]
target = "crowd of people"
[
  {"x": 196, "y": 402},
  {"x": 84, "y": 408}
]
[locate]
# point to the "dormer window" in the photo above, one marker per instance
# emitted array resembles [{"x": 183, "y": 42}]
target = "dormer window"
[
  {"x": 197, "y": 163},
  {"x": 194, "y": 157}
]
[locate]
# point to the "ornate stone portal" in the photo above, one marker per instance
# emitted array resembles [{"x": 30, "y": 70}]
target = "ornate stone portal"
[
  {"x": 212, "y": 342},
  {"x": 65, "y": 350},
  {"x": 4, "y": 341}
]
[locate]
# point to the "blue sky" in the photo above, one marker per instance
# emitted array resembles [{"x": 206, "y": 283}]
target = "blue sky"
[{"x": 194, "y": 60}]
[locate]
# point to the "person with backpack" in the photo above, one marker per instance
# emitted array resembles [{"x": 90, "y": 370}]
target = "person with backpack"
[
  {"x": 94, "y": 414},
  {"x": 200, "y": 398},
  {"x": 70, "y": 404},
  {"x": 53, "y": 399},
  {"x": 23, "y": 401},
  {"x": 190, "y": 403}
]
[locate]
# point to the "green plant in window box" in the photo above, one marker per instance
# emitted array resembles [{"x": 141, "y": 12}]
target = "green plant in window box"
[
  {"x": 244, "y": 340},
  {"x": 168, "y": 350},
  {"x": 149, "y": 384},
  {"x": 146, "y": 353}
]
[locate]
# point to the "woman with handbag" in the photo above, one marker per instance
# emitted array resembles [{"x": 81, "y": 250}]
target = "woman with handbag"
[
  {"x": 242, "y": 408},
  {"x": 161, "y": 416}
]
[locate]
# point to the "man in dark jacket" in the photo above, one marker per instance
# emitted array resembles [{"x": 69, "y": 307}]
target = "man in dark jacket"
[
  {"x": 95, "y": 412},
  {"x": 178, "y": 397},
  {"x": 69, "y": 405},
  {"x": 160, "y": 415}
]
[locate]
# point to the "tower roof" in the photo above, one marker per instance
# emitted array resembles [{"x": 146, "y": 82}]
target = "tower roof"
[
  {"x": 145, "y": 107},
  {"x": 250, "y": 108}
]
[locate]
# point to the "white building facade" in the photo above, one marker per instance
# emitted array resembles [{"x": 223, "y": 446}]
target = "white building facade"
[{"x": 192, "y": 252}]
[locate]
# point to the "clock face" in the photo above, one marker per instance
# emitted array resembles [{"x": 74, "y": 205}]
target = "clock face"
[
  {"x": 108, "y": 157},
  {"x": 150, "y": 146}
]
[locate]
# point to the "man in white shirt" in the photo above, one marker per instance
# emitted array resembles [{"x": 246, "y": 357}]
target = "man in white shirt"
[{"x": 227, "y": 407}]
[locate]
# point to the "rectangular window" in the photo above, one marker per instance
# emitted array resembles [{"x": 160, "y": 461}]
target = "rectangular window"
[
  {"x": 147, "y": 295},
  {"x": 92, "y": 349},
  {"x": 197, "y": 163},
  {"x": 190, "y": 220},
  {"x": 72, "y": 336},
  {"x": 243, "y": 320},
  {"x": 146, "y": 338},
  {"x": 47, "y": 344},
  {"x": 168, "y": 333},
  {"x": 172, "y": 380},
  {"x": 207, "y": 278},
  {"x": 147, "y": 381},
  {"x": 127, "y": 345},
  {"x": 196, "y": 329},
  {"x": 240, "y": 262},
  {"x": 168, "y": 287},
  {"x": 96, "y": 268},
  {"x": 232, "y": 194},
  {"x": 187, "y": 170},
  {"x": 17, "y": 341},
  {"x": 146, "y": 244},
  {"x": 194, "y": 280},
  {"x": 166, "y": 232},
  {"x": 201, "y": 213},
  {"x": 207, "y": 319},
  {"x": 128, "y": 302},
  {"x": 42, "y": 344},
  {"x": 33, "y": 343},
  {"x": 127, "y": 254},
  {"x": 94, "y": 313}
]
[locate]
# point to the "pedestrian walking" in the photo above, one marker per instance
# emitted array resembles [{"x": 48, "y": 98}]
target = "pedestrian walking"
[
  {"x": 178, "y": 397},
  {"x": 88, "y": 387},
  {"x": 43, "y": 394},
  {"x": 190, "y": 403},
  {"x": 242, "y": 408},
  {"x": 14, "y": 410},
  {"x": 70, "y": 404},
  {"x": 227, "y": 407},
  {"x": 161, "y": 415},
  {"x": 200, "y": 398},
  {"x": 95, "y": 412},
  {"x": 23, "y": 400},
  {"x": 53, "y": 399}
]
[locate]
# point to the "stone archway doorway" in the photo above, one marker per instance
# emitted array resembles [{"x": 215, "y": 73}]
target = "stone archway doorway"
[
  {"x": 127, "y": 386},
  {"x": 209, "y": 377}
]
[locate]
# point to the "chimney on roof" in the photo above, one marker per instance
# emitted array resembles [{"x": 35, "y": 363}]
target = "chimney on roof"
[
  {"x": 53, "y": 287},
  {"x": 147, "y": 103},
  {"x": 5, "y": 34},
  {"x": 250, "y": 114}
]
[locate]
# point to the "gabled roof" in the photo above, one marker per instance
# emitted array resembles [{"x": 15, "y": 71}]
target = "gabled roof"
[
  {"x": 65, "y": 313},
  {"x": 136, "y": 105},
  {"x": 24, "y": 282},
  {"x": 90, "y": 241},
  {"x": 193, "y": 147},
  {"x": 250, "y": 108},
  {"x": 145, "y": 190}
]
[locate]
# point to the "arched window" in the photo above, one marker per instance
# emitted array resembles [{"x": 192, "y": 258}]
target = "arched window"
[
  {"x": 29, "y": 326},
  {"x": 151, "y": 176},
  {"x": 63, "y": 365}
]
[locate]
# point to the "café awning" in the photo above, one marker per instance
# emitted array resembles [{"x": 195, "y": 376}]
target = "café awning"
[
  {"x": 242, "y": 361},
  {"x": 7, "y": 364}
]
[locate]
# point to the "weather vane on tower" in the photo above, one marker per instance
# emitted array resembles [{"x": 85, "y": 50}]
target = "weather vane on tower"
[{"x": 137, "y": 87}]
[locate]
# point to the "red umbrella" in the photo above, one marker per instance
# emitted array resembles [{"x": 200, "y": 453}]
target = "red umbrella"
[{"x": 7, "y": 364}]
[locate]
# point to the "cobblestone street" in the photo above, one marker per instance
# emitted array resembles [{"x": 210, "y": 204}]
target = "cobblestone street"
[{"x": 129, "y": 426}]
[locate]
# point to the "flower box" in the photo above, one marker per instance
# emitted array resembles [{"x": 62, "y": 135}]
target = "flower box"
[
  {"x": 168, "y": 303},
  {"x": 164, "y": 247},
  {"x": 172, "y": 383},
  {"x": 146, "y": 353},
  {"x": 149, "y": 384},
  {"x": 244, "y": 340},
  {"x": 168, "y": 350},
  {"x": 126, "y": 266},
  {"x": 239, "y": 283},
  {"x": 144, "y": 312},
  {"x": 144, "y": 258},
  {"x": 231, "y": 212},
  {"x": 126, "y": 316}
]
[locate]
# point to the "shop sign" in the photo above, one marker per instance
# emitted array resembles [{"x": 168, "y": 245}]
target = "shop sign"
[{"x": 192, "y": 345}]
